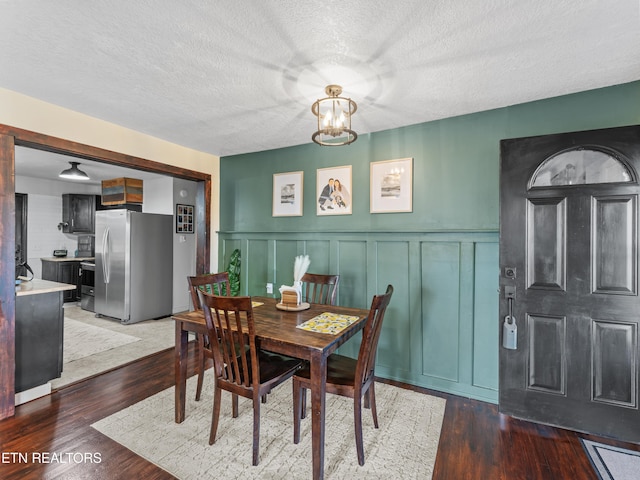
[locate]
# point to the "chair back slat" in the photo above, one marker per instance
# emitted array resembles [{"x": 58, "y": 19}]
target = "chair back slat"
[
  {"x": 317, "y": 288},
  {"x": 230, "y": 319},
  {"x": 229, "y": 346},
  {"x": 224, "y": 345},
  {"x": 213, "y": 283},
  {"x": 370, "y": 336}
]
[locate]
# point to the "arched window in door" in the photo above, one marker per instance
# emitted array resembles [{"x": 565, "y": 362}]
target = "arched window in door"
[{"x": 580, "y": 166}]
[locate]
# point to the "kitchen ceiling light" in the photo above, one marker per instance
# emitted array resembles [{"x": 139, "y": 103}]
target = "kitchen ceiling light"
[
  {"x": 334, "y": 125},
  {"x": 74, "y": 173}
]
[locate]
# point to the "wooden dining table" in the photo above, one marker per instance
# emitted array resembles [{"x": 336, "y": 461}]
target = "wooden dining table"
[{"x": 276, "y": 332}]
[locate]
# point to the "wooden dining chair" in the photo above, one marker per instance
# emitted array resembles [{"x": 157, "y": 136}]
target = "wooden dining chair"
[
  {"x": 216, "y": 283},
  {"x": 240, "y": 366},
  {"x": 318, "y": 288},
  {"x": 349, "y": 377}
]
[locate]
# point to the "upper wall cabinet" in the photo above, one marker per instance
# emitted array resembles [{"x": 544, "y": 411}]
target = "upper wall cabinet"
[{"x": 78, "y": 213}]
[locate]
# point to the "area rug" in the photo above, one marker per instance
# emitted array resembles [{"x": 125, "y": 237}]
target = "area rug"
[
  {"x": 613, "y": 463},
  {"x": 88, "y": 356},
  {"x": 82, "y": 340},
  {"x": 404, "y": 446}
]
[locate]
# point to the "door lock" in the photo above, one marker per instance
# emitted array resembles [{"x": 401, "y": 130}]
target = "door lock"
[{"x": 509, "y": 292}]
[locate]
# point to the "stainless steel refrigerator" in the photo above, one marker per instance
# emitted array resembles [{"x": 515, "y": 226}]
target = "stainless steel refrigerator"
[{"x": 134, "y": 265}]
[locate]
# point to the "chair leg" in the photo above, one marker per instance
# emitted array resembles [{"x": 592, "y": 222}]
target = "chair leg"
[
  {"x": 297, "y": 410},
  {"x": 216, "y": 415},
  {"x": 371, "y": 396},
  {"x": 234, "y": 405},
  {"x": 357, "y": 416},
  {"x": 256, "y": 430},
  {"x": 200, "y": 364},
  {"x": 303, "y": 414}
]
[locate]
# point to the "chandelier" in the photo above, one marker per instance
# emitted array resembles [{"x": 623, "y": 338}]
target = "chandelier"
[{"x": 334, "y": 118}]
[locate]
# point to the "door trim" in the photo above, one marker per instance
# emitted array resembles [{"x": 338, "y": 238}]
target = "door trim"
[{"x": 7, "y": 277}]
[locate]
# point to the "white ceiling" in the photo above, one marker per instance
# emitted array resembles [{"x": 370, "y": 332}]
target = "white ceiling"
[
  {"x": 229, "y": 77},
  {"x": 46, "y": 165}
]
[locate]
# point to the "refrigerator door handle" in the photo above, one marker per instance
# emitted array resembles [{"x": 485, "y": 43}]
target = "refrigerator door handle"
[{"x": 105, "y": 255}]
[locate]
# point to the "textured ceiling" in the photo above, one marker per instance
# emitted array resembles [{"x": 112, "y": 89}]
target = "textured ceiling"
[{"x": 229, "y": 77}]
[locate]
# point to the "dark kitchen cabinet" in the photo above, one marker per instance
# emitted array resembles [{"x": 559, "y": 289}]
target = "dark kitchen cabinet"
[
  {"x": 78, "y": 213},
  {"x": 63, "y": 271},
  {"x": 39, "y": 328}
]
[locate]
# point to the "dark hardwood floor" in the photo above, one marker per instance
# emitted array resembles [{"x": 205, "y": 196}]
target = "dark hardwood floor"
[{"x": 476, "y": 441}]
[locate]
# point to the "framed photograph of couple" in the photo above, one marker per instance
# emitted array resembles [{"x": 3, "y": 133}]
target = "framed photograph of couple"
[
  {"x": 334, "y": 191},
  {"x": 391, "y": 186},
  {"x": 287, "y": 194}
]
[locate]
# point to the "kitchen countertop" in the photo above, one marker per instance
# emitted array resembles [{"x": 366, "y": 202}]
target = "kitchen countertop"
[
  {"x": 67, "y": 259},
  {"x": 37, "y": 285}
]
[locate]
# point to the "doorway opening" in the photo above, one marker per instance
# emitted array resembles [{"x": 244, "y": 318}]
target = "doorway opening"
[{"x": 10, "y": 137}]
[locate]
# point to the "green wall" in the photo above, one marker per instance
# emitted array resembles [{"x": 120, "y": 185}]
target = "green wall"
[{"x": 441, "y": 329}]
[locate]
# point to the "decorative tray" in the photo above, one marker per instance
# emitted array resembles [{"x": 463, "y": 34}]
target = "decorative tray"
[{"x": 297, "y": 308}]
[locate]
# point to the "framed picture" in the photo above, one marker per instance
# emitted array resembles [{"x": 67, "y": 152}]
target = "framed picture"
[
  {"x": 184, "y": 218},
  {"x": 287, "y": 194},
  {"x": 334, "y": 191},
  {"x": 392, "y": 186}
]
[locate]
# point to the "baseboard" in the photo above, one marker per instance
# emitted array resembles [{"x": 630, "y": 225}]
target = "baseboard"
[{"x": 33, "y": 393}]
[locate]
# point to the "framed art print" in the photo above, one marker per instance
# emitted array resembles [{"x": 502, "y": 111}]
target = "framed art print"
[
  {"x": 287, "y": 194},
  {"x": 391, "y": 186},
  {"x": 334, "y": 191},
  {"x": 184, "y": 218}
]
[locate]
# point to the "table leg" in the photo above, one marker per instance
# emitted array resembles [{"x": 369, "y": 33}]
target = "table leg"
[
  {"x": 180, "y": 356},
  {"x": 318, "y": 389}
]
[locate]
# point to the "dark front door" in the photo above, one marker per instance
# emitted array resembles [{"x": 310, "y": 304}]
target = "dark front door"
[{"x": 569, "y": 263}]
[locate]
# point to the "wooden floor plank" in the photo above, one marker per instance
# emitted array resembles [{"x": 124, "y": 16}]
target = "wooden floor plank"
[{"x": 477, "y": 442}]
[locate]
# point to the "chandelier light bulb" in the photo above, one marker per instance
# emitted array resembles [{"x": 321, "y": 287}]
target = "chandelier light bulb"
[{"x": 328, "y": 118}]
